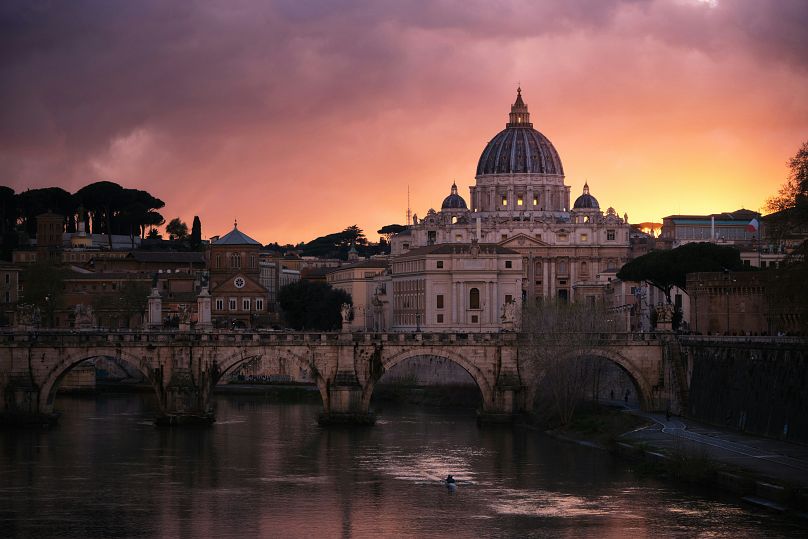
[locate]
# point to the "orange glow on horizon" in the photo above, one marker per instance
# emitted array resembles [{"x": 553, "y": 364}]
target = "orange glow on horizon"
[{"x": 663, "y": 107}]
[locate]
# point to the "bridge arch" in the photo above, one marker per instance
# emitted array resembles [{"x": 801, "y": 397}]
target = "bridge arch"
[
  {"x": 641, "y": 385},
  {"x": 235, "y": 360},
  {"x": 66, "y": 362},
  {"x": 476, "y": 373}
]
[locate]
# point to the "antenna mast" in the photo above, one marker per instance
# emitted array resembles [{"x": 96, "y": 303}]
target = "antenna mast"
[{"x": 409, "y": 213}]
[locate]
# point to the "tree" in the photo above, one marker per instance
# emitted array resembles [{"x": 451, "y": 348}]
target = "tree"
[
  {"x": 35, "y": 202},
  {"x": 8, "y": 210},
  {"x": 8, "y": 222},
  {"x": 312, "y": 305},
  {"x": 786, "y": 291},
  {"x": 101, "y": 200},
  {"x": 666, "y": 269},
  {"x": 790, "y": 206},
  {"x": 43, "y": 287},
  {"x": 336, "y": 245},
  {"x": 554, "y": 341},
  {"x": 122, "y": 304},
  {"x": 154, "y": 234},
  {"x": 196, "y": 232},
  {"x": 388, "y": 231},
  {"x": 177, "y": 229},
  {"x": 794, "y": 191}
]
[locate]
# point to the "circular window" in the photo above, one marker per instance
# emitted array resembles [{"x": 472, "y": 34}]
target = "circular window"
[{"x": 239, "y": 282}]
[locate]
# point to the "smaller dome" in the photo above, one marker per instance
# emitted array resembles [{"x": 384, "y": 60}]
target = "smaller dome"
[
  {"x": 454, "y": 201},
  {"x": 586, "y": 201}
]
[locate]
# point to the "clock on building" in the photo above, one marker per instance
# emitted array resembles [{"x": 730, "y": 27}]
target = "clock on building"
[{"x": 239, "y": 282}]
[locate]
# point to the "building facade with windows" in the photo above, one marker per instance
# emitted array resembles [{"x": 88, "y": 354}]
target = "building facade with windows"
[
  {"x": 454, "y": 287},
  {"x": 520, "y": 202},
  {"x": 238, "y": 299},
  {"x": 362, "y": 281}
]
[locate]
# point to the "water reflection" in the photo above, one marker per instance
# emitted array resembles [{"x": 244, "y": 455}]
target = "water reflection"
[{"x": 267, "y": 470}]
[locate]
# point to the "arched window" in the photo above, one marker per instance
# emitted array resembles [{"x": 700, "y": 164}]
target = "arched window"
[
  {"x": 584, "y": 268},
  {"x": 474, "y": 298}
]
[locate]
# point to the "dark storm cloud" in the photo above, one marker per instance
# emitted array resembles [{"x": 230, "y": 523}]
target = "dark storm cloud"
[{"x": 77, "y": 76}]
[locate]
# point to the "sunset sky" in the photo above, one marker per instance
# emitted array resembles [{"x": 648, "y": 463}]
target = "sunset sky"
[{"x": 301, "y": 118}]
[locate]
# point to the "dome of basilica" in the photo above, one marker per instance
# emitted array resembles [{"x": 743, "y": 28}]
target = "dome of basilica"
[
  {"x": 519, "y": 149},
  {"x": 454, "y": 201},
  {"x": 586, "y": 201}
]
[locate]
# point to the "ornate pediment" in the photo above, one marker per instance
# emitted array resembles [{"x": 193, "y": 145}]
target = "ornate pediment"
[
  {"x": 238, "y": 283},
  {"x": 522, "y": 241}
]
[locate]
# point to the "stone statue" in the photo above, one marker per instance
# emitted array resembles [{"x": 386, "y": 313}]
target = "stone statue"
[
  {"x": 664, "y": 313},
  {"x": 509, "y": 312},
  {"x": 154, "y": 280},
  {"x": 204, "y": 280},
  {"x": 27, "y": 315},
  {"x": 184, "y": 313},
  {"x": 83, "y": 316},
  {"x": 345, "y": 310},
  {"x": 474, "y": 250}
]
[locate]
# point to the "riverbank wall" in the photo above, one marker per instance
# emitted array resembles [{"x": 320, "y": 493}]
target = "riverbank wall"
[{"x": 755, "y": 387}]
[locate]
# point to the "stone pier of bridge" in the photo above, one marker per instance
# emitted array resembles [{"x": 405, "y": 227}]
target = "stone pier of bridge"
[{"x": 184, "y": 367}]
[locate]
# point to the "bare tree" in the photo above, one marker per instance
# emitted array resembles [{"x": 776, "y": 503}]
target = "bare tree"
[{"x": 555, "y": 339}]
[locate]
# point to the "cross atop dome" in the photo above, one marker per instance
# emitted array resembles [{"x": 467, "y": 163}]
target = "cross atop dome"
[{"x": 519, "y": 116}]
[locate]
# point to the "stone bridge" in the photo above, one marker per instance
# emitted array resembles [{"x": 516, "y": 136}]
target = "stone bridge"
[{"x": 185, "y": 366}]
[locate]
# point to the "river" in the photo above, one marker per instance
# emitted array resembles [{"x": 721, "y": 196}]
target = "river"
[{"x": 266, "y": 469}]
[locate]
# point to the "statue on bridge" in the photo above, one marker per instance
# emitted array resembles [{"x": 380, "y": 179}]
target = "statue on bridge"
[
  {"x": 508, "y": 315},
  {"x": 26, "y": 316},
  {"x": 82, "y": 316},
  {"x": 345, "y": 311},
  {"x": 664, "y": 317}
]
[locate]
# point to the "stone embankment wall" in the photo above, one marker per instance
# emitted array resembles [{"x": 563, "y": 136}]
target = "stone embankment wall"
[{"x": 752, "y": 385}]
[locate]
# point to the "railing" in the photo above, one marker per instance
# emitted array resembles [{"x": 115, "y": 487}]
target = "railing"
[
  {"x": 741, "y": 339},
  {"x": 259, "y": 337}
]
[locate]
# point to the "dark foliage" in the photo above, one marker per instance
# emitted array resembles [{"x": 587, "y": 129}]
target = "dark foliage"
[
  {"x": 44, "y": 288},
  {"x": 666, "y": 269},
  {"x": 196, "y": 233},
  {"x": 309, "y": 305}
]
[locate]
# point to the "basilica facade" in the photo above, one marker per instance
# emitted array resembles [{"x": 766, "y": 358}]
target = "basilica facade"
[{"x": 520, "y": 203}]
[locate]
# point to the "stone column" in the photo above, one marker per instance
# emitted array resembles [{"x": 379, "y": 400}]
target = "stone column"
[
  {"x": 495, "y": 301},
  {"x": 545, "y": 279},
  {"x": 203, "y": 316},
  {"x": 573, "y": 262},
  {"x": 155, "y": 313},
  {"x": 552, "y": 290},
  {"x": 454, "y": 300}
]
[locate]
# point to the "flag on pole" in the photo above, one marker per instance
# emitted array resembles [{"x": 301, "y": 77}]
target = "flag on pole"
[{"x": 753, "y": 226}]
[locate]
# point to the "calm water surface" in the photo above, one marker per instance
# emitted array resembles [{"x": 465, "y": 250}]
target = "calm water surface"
[{"x": 267, "y": 470}]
